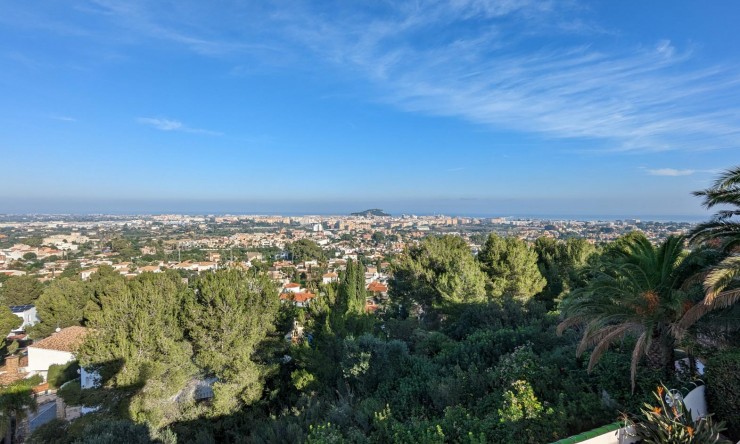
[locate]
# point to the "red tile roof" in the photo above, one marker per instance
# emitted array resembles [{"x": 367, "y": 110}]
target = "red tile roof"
[
  {"x": 297, "y": 297},
  {"x": 68, "y": 340},
  {"x": 377, "y": 287}
]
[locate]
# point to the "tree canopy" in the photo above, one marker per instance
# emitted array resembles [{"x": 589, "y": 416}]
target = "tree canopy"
[
  {"x": 511, "y": 266},
  {"x": 437, "y": 272},
  {"x": 21, "y": 290}
]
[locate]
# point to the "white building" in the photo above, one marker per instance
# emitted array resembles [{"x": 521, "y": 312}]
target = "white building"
[
  {"x": 58, "y": 348},
  {"x": 28, "y": 316}
]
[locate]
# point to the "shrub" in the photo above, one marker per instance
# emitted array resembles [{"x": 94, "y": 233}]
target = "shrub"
[
  {"x": 670, "y": 422},
  {"x": 723, "y": 389},
  {"x": 53, "y": 432},
  {"x": 60, "y": 373}
]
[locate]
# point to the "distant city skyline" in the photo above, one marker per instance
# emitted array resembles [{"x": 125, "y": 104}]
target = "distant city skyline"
[{"x": 500, "y": 107}]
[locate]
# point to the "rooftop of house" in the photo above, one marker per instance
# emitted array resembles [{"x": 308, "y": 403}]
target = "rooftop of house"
[
  {"x": 67, "y": 339},
  {"x": 298, "y": 297},
  {"x": 20, "y": 308}
]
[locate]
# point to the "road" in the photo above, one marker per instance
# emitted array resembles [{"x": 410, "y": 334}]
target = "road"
[{"x": 46, "y": 413}]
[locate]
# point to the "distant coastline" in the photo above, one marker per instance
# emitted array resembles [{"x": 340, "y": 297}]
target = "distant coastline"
[{"x": 561, "y": 217}]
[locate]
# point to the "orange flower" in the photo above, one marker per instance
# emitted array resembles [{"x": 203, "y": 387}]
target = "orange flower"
[
  {"x": 660, "y": 391},
  {"x": 657, "y": 410},
  {"x": 690, "y": 430},
  {"x": 675, "y": 412}
]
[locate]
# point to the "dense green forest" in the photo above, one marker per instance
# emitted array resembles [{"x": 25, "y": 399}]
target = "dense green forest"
[{"x": 519, "y": 344}]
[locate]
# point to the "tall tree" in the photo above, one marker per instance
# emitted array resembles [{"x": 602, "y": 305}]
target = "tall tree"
[
  {"x": 561, "y": 264},
  {"x": 227, "y": 316},
  {"x": 304, "y": 250},
  {"x": 511, "y": 266},
  {"x": 137, "y": 344},
  {"x": 639, "y": 292},
  {"x": 8, "y": 321},
  {"x": 16, "y": 400},
  {"x": 60, "y": 305},
  {"x": 21, "y": 290},
  {"x": 438, "y": 272}
]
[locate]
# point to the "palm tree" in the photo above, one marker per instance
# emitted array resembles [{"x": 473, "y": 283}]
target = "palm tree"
[
  {"x": 638, "y": 291},
  {"x": 15, "y": 402},
  {"x": 723, "y": 233}
]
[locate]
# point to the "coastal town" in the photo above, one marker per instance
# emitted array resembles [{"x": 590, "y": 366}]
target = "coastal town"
[{"x": 46, "y": 246}]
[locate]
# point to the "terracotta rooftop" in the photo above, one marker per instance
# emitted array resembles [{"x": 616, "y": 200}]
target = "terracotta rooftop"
[
  {"x": 297, "y": 297},
  {"x": 68, "y": 340}
]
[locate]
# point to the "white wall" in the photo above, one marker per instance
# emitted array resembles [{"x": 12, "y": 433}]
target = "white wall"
[
  {"x": 39, "y": 359},
  {"x": 88, "y": 379},
  {"x": 696, "y": 402}
]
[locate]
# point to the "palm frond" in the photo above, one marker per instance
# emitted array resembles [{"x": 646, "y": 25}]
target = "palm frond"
[
  {"x": 607, "y": 340},
  {"x": 637, "y": 353},
  {"x": 721, "y": 276},
  {"x": 713, "y": 229},
  {"x": 567, "y": 323}
]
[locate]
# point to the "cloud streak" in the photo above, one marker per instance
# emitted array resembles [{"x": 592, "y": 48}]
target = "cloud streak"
[
  {"x": 670, "y": 172},
  {"x": 468, "y": 59},
  {"x": 164, "y": 124}
]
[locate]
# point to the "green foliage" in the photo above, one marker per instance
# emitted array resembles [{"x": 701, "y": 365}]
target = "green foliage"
[
  {"x": 33, "y": 241},
  {"x": 115, "y": 432},
  {"x": 16, "y": 400},
  {"x": 227, "y": 316},
  {"x": 636, "y": 291},
  {"x": 58, "y": 374},
  {"x": 723, "y": 388},
  {"x": 13, "y": 347},
  {"x": 439, "y": 272},
  {"x": 562, "y": 264},
  {"x": 71, "y": 393},
  {"x": 72, "y": 270},
  {"x": 60, "y": 305},
  {"x": 8, "y": 321},
  {"x": 53, "y": 432},
  {"x": 671, "y": 422},
  {"x": 138, "y": 346},
  {"x": 304, "y": 250},
  {"x": 520, "y": 403},
  {"x": 511, "y": 266},
  {"x": 21, "y": 290}
]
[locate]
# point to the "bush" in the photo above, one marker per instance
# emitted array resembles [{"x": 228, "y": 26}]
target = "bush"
[
  {"x": 53, "y": 432},
  {"x": 71, "y": 393},
  {"x": 723, "y": 389},
  {"x": 669, "y": 421},
  {"x": 61, "y": 373}
]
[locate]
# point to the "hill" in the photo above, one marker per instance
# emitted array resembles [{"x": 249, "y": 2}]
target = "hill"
[{"x": 370, "y": 212}]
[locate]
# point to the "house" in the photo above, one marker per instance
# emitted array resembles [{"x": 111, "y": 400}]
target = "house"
[
  {"x": 85, "y": 274},
  {"x": 58, "y": 348},
  {"x": 150, "y": 269},
  {"x": 299, "y": 299},
  {"x": 377, "y": 288},
  {"x": 292, "y": 287},
  {"x": 328, "y": 278},
  {"x": 28, "y": 316}
]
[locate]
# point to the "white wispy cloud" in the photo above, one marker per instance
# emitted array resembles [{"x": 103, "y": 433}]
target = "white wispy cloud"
[
  {"x": 650, "y": 98},
  {"x": 164, "y": 124},
  {"x": 470, "y": 59},
  {"x": 670, "y": 172},
  {"x": 63, "y": 118}
]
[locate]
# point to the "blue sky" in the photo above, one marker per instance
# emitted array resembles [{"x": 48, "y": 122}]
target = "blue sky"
[{"x": 462, "y": 106}]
